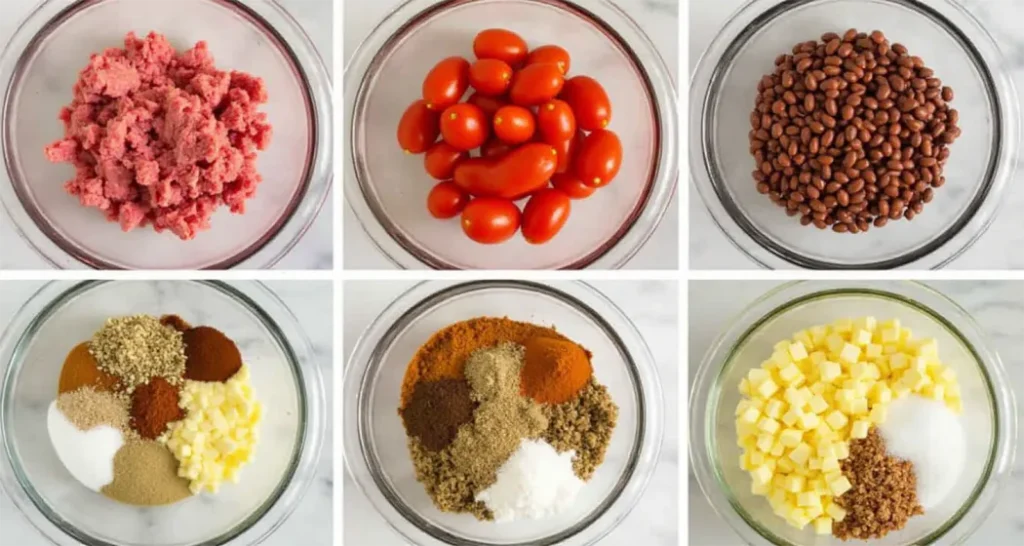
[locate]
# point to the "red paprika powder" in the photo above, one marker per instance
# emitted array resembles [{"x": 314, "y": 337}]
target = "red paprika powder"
[
  {"x": 210, "y": 355},
  {"x": 154, "y": 405}
]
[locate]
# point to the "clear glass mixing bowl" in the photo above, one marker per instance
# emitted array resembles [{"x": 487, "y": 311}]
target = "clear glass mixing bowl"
[
  {"x": 387, "y": 189},
  {"x": 38, "y": 68},
  {"x": 989, "y": 409},
  {"x": 948, "y": 38},
  {"x": 375, "y": 440},
  {"x": 284, "y": 377}
]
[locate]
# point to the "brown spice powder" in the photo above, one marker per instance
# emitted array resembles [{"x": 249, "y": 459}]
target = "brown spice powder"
[
  {"x": 884, "y": 492},
  {"x": 146, "y": 473},
  {"x": 88, "y": 408}
]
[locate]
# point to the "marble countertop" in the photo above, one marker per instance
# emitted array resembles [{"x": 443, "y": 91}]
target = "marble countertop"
[
  {"x": 659, "y": 19},
  {"x": 310, "y": 523},
  {"x": 313, "y": 251},
  {"x": 998, "y": 307},
  {"x": 652, "y": 306},
  {"x": 711, "y": 249}
]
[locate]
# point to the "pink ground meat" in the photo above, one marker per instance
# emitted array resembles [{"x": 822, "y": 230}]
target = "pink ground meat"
[{"x": 161, "y": 138}]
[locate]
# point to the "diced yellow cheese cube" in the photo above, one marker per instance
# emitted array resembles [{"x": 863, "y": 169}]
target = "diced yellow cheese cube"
[
  {"x": 791, "y": 437},
  {"x": 797, "y": 351},
  {"x": 829, "y": 371},
  {"x": 860, "y": 337},
  {"x": 808, "y": 421},
  {"x": 837, "y": 420},
  {"x": 849, "y": 353},
  {"x": 800, "y": 454},
  {"x": 762, "y": 474},
  {"x": 839, "y": 486},
  {"x": 769, "y": 425},
  {"x": 817, "y": 404},
  {"x": 836, "y": 512},
  {"x": 823, "y": 526},
  {"x": 767, "y": 388},
  {"x": 795, "y": 483}
]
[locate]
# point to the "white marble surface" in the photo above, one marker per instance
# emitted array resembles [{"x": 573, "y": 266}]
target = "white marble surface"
[
  {"x": 311, "y": 523},
  {"x": 659, "y": 19},
  {"x": 313, "y": 251},
  {"x": 711, "y": 249},
  {"x": 652, "y": 306},
  {"x": 998, "y": 307}
]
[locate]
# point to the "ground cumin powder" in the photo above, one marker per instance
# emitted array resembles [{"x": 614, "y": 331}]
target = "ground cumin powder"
[
  {"x": 80, "y": 370},
  {"x": 444, "y": 355}
]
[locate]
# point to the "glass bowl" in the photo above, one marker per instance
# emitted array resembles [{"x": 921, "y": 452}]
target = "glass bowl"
[
  {"x": 948, "y": 38},
  {"x": 989, "y": 408},
  {"x": 387, "y": 189},
  {"x": 38, "y": 69},
  {"x": 284, "y": 377},
  {"x": 375, "y": 442}
]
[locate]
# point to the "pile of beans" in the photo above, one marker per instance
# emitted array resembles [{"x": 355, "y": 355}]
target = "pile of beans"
[{"x": 851, "y": 132}]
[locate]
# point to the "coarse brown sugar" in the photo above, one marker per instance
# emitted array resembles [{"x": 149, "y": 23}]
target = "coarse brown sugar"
[
  {"x": 138, "y": 347},
  {"x": 884, "y": 492},
  {"x": 88, "y": 408},
  {"x": 583, "y": 424}
]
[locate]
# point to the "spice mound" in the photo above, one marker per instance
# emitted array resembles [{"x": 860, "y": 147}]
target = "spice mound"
[
  {"x": 840, "y": 427},
  {"x": 504, "y": 419},
  {"x": 851, "y": 132},
  {"x": 128, "y": 423},
  {"x": 162, "y": 138}
]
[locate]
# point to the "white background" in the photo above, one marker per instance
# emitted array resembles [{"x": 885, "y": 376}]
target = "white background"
[
  {"x": 311, "y": 523},
  {"x": 313, "y": 251},
  {"x": 652, "y": 306},
  {"x": 659, "y": 19}
]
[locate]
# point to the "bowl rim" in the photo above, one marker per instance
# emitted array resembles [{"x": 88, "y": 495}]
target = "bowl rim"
[
  {"x": 640, "y": 225},
  {"x": 287, "y": 335},
  {"x": 924, "y": 299},
  {"x": 422, "y": 298},
  {"x": 707, "y": 79},
  {"x": 290, "y": 40}
]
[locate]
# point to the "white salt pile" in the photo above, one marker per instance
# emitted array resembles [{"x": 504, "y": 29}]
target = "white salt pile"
[{"x": 534, "y": 483}]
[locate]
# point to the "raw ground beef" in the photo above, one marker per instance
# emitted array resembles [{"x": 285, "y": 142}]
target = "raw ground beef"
[{"x": 161, "y": 138}]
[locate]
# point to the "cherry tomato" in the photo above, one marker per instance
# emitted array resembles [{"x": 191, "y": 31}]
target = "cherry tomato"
[
  {"x": 446, "y": 200},
  {"x": 490, "y": 77},
  {"x": 514, "y": 124},
  {"x": 589, "y": 102},
  {"x": 550, "y": 54},
  {"x": 598, "y": 158},
  {"x": 490, "y": 220},
  {"x": 544, "y": 215},
  {"x": 464, "y": 126},
  {"x": 489, "y": 105},
  {"x": 446, "y": 83},
  {"x": 536, "y": 84},
  {"x": 418, "y": 128},
  {"x": 440, "y": 160},
  {"x": 556, "y": 121},
  {"x": 567, "y": 151},
  {"x": 572, "y": 185},
  {"x": 501, "y": 44},
  {"x": 495, "y": 148},
  {"x": 520, "y": 172}
]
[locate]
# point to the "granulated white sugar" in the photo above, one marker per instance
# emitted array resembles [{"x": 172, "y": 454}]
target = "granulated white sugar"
[
  {"x": 536, "y": 482},
  {"x": 930, "y": 436},
  {"x": 88, "y": 455}
]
